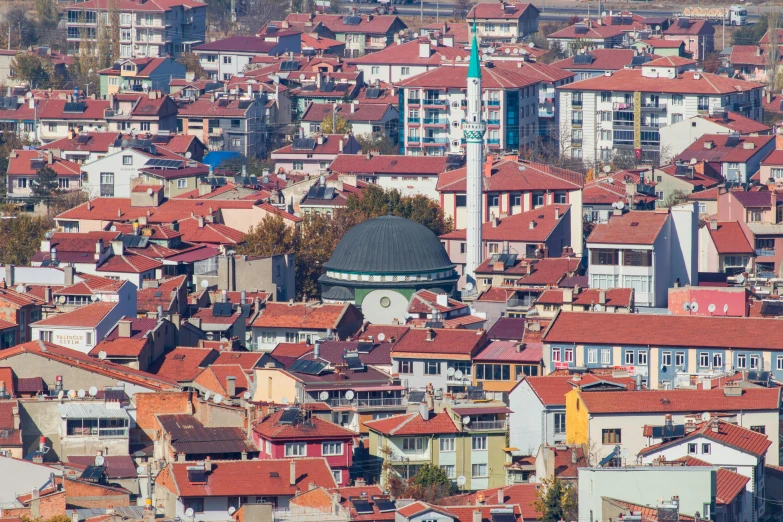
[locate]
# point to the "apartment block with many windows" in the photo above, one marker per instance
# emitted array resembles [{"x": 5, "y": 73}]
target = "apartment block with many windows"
[{"x": 621, "y": 113}]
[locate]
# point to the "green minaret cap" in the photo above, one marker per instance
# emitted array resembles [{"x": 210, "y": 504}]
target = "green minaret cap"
[{"x": 474, "y": 69}]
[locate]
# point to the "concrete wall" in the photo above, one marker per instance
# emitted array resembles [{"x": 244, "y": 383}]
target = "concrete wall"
[{"x": 274, "y": 274}]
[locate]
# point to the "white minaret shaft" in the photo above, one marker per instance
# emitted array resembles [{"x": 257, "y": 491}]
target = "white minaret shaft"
[{"x": 474, "y": 136}]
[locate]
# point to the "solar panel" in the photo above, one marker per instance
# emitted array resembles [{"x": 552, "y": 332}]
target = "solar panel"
[
  {"x": 307, "y": 366},
  {"x": 683, "y": 23},
  {"x": 244, "y": 104},
  {"x": 772, "y": 308},
  {"x": 362, "y": 507},
  {"x": 93, "y": 473},
  {"x": 640, "y": 59},
  {"x": 289, "y": 416},
  {"x": 222, "y": 310},
  {"x": 341, "y": 87},
  {"x": 352, "y": 20},
  {"x": 304, "y": 143},
  {"x": 385, "y": 505},
  {"x": 163, "y": 163},
  {"x": 289, "y": 65},
  {"x": 373, "y": 93},
  {"x": 74, "y": 107},
  {"x": 580, "y": 29},
  {"x": 354, "y": 363},
  {"x": 83, "y": 139},
  {"x": 160, "y": 139},
  {"x": 503, "y": 517},
  {"x": 223, "y": 103},
  {"x": 327, "y": 86},
  {"x": 583, "y": 59},
  {"x": 415, "y": 396},
  {"x": 131, "y": 241}
]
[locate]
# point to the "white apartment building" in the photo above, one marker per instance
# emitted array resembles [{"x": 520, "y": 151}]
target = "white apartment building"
[
  {"x": 621, "y": 113},
  {"x": 147, "y": 27},
  {"x": 84, "y": 327},
  {"x": 435, "y": 103}
]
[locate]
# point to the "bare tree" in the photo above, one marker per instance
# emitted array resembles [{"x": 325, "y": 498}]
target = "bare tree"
[{"x": 772, "y": 50}]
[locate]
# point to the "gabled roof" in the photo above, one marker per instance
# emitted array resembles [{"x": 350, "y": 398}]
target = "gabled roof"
[
  {"x": 382, "y": 164},
  {"x": 408, "y": 54},
  {"x": 508, "y": 351},
  {"x": 694, "y": 27},
  {"x": 221, "y": 107},
  {"x": 588, "y": 296},
  {"x": 414, "y": 424},
  {"x": 150, "y": 5},
  {"x": 20, "y": 162},
  {"x": 183, "y": 363},
  {"x": 444, "y": 343},
  {"x": 317, "y": 112},
  {"x": 54, "y": 109},
  {"x": 728, "y": 483},
  {"x": 724, "y": 148},
  {"x": 593, "y": 32},
  {"x": 368, "y": 24},
  {"x": 307, "y": 316},
  {"x": 522, "y": 495},
  {"x": 533, "y": 226},
  {"x": 630, "y": 80},
  {"x": 88, "y": 316},
  {"x": 425, "y": 301},
  {"x": 314, "y": 428},
  {"x": 631, "y": 228},
  {"x": 722, "y": 432},
  {"x": 729, "y": 238},
  {"x": 680, "y": 401},
  {"x": 494, "y": 11},
  {"x": 602, "y": 60},
  {"x": 552, "y": 389},
  {"x": 129, "y": 263},
  {"x": 189, "y": 436},
  {"x": 454, "y": 76},
  {"x": 511, "y": 175}
]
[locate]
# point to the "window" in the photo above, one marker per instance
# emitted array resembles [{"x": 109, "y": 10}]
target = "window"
[
  {"x": 338, "y": 475},
  {"x": 413, "y": 444},
  {"x": 702, "y": 207},
  {"x": 226, "y": 59},
  {"x": 560, "y": 420},
  {"x": 405, "y": 71},
  {"x": 611, "y": 436},
  {"x": 375, "y": 69},
  {"x": 332, "y": 448},
  {"x": 666, "y": 359},
  {"x": 125, "y": 50},
  {"x": 268, "y": 447},
  {"x": 604, "y": 256},
  {"x": 298, "y": 165},
  {"x": 629, "y": 358},
  {"x": 679, "y": 358},
  {"x": 107, "y": 184},
  {"x": 182, "y": 183},
  {"x": 717, "y": 360},
  {"x": 479, "y": 470},
  {"x": 45, "y": 335},
  {"x": 226, "y": 76},
  {"x": 295, "y": 449},
  {"x": 642, "y": 358},
  {"x": 704, "y": 359},
  {"x": 432, "y": 368},
  {"x": 450, "y": 471},
  {"x": 741, "y": 361},
  {"x": 706, "y": 448},
  {"x": 603, "y": 281},
  {"x": 637, "y": 258},
  {"x": 447, "y": 444},
  {"x": 606, "y": 96},
  {"x": 196, "y": 504},
  {"x": 569, "y": 355},
  {"x": 592, "y": 356},
  {"x": 64, "y": 183},
  {"x": 88, "y": 338},
  {"x": 125, "y": 18},
  {"x": 291, "y": 337},
  {"x": 555, "y": 354},
  {"x": 754, "y": 362},
  {"x": 676, "y": 118},
  {"x": 692, "y": 448},
  {"x": 479, "y": 443},
  {"x": 677, "y": 99},
  {"x": 759, "y": 429},
  {"x": 703, "y": 103},
  {"x": 538, "y": 199},
  {"x": 52, "y": 127},
  {"x": 561, "y": 197},
  {"x": 406, "y": 366},
  {"x": 606, "y": 355},
  {"x": 127, "y": 160}
]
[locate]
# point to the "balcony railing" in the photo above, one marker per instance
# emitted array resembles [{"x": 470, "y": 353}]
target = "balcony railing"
[
  {"x": 435, "y": 101},
  {"x": 765, "y": 274},
  {"x": 435, "y": 140},
  {"x": 576, "y": 141},
  {"x": 493, "y": 141},
  {"x": 413, "y": 139},
  {"x": 576, "y": 104},
  {"x": 414, "y": 101},
  {"x": 493, "y": 103},
  {"x": 436, "y": 121},
  {"x": 654, "y": 106},
  {"x": 493, "y": 122},
  {"x": 576, "y": 123},
  {"x": 765, "y": 251},
  {"x": 486, "y": 425},
  {"x": 366, "y": 403},
  {"x": 414, "y": 120}
]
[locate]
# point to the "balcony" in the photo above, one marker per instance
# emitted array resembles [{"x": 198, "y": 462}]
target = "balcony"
[
  {"x": 486, "y": 425},
  {"x": 493, "y": 103},
  {"x": 414, "y": 101},
  {"x": 414, "y": 120},
  {"x": 576, "y": 104},
  {"x": 493, "y": 122},
  {"x": 654, "y": 124},
  {"x": 577, "y": 142},
  {"x": 413, "y": 139},
  {"x": 765, "y": 251},
  {"x": 434, "y": 141},
  {"x": 764, "y": 274},
  {"x": 435, "y": 102},
  {"x": 394, "y": 402},
  {"x": 436, "y": 121},
  {"x": 650, "y": 107},
  {"x": 576, "y": 123}
]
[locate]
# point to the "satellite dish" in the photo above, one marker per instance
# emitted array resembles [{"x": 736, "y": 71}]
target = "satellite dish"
[
  {"x": 28, "y": 95},
  {"x": 302, "y": 76},
  {"x": 188, "y": 155},
  {"x": 232, "y": 510},
  {"x": 468, "y": 286},
  {"x": 694, "y": 307},
  {"x": 711, "y": 308},
  {"x": 102, "y": 355},
  {"x": 149, "y": 191},
  {"x": 597, "y": 308},
  {"x": 657, "y": 27},
  {"x": 99, "y": 460},
  {"x": 415, "y": 35},
  {"x": 204, "y": 283},
  {"x": 450, "y": 371},
  {"x": 189, "y": 512},
  {"x": 140, "y": 470},
  {"x": 324, "y": 395},
  {"x": 20, "y": 289},
  {"x": 466, "y": 420},
  {"x": 113, "y": 228},
  {"x": 725, "y": 308},
  {"x": 607, "y": 168},
  {"x": 71, "y": 394},
  {"x": 508, "y": 51},
  {"x": 284, "y": 400},
  {"x": 218, "y": 399},
  {"x": 350, "y": 395},
  {"x": 82, "y": 394},
  {"x": 61, "y": 299},
  {"x": 246, "y": 395},
  {"x": 740, "y": 279},
  {"x": 207, "y": 395},
  {"x": 60, "y": 395},
  {"x": 461, "y": 480},
  {"x": 706, "y": 416},
  {"x": 620, "y": 205},
  {"x": 686, "y": 306},
  {"x": 694, "y": 161},
  {"x": 458, "y": 374},
  {"x": 93, "y": 391},
  {"x": 381, "y": 337}
]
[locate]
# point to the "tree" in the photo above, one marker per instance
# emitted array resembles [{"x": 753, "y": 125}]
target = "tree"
[
  {"x": 22, "y": 235},
  {"x": 48, "y": 15},
  {"x": 33, "y": 70},
  {"x": 45, "y": 185},
  {"x": 772, "y": 51},
  {"x": 192, "y": 64},
  {"x": 22, "y": 28},
  {"x": 677, "y": 197},
  {"x": 750, "y": 34},
  {"x": 381, "y": 144},
  {"x": 430, "y": 483},
  {"x": 335, "y": 124},
  {"x": 556, "y": 501},
  {"x": 375, "y": 201},
  {"x": 269, "y": 237},
  {"x": 461, "y": 9},
  {"x": 318, "y": 236},
  {"x": 712, "y": 62}
]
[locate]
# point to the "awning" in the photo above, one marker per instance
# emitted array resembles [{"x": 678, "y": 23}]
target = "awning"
[{"x": 481, "y": 411}]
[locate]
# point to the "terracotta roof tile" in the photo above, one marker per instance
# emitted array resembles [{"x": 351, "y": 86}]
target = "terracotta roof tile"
[
  {"x": 86, "y": 316},
  {"x": 517, "y": 226},
  {"x": 603, "y": 60},
  {"x": 377, "y": 24},
  {"x": 183, "y": 363},
  {"x": 380, "y": 164},
  {"x": 444, "y": 342},
  {"x": 408, "y": 54},
  {"x": 510, "y": 175},
  {"x": 413, "y": 424},
  {"x": 680, "y": 401},
  {"x": 729, "y": 238},
  {"x": 722, "y": 151},
  {"x": 522, "y": 495},
  {"x": 589, "y": 296},
  {"x": 300, "y": 315},
  {"x": 270, "y": 428},
  {"x": 455, "y": 77},
  {"x": 685, "y": 83},
  {"x": 632, "y": 228},
  {"x": 20, "y": 162},
  {"x": 494, "y": 11}
]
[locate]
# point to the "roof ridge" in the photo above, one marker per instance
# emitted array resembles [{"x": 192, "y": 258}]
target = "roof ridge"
[{"x": 411, "y": 416}]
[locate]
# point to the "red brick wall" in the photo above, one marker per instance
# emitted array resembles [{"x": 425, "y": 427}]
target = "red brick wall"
[
  {"x": 84, "y": 495},
  {"x": 51, "y": 505},
  {"x": 150, "y": 404}
]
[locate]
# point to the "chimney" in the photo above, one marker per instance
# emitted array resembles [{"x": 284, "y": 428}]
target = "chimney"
[
  {"x": 532, "y": 225},
  {"x": 292, "y": 473},
  {"x": 424, "y": 411},
  {"x": 568, "y": 295},
  {"x": 48, "y": 294},
  {"x": 320, "y": 139},
  {"x": 557, "y": 213},
  {"x": 573, "y": 456},
  {"x": 602, "y": 297},
  {"x": 124, "y": 328},
  {"x": 706, "y": 384},
  {"x": 430, "y": 334},
  {"x": 340, "y": 146},
  {"x": 68, "y": 273},
  {"x": 311, "y": 486},
  {"x": 244, "y": 455},
  {"x": 207, "y": 464},
  {"x": 201, "y": 222},
  {"x": 501, "y": 496},
  {"x": 353, "y": 107},
  {"x": 477, "y": 516},
  {"x": 74, "y": 516},
  {"x": 359, "y": 482},
  {"x": 713, "y": 224},
  {"x": 442, "y": 299},
  {"x": 424, "y": 49},
  {"x": 317, "y": 350},
  {"x": 231, "y": 386}
]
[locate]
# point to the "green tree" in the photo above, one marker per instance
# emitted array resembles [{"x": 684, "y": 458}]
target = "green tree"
[
  {"x": 48, "y": 15},
  {"x": 335, "y": 125},
  {"x": 677, "y": 197},
  {"x": 192, "y": 64},
  {"x": 45, "y": 185},
  {"x": 318, "y": 236},
  {"x": 380, "y": 144},
  {"x": 22, "y": 235},
  {"x": 33, "y": 70},
  {"x": 750, "y": 34},
  {"x": 556, "y": 501},
  {"x": 375, "y": 201},
  {"x": 268, "y": 238},
  {"x": 21, "y": 26}
]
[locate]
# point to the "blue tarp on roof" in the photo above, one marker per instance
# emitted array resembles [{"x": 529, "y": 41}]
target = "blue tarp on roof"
[{"x": 217, "y": 157}]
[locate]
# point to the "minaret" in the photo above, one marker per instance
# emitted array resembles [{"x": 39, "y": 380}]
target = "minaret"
[{"x": 474, "y": 136}]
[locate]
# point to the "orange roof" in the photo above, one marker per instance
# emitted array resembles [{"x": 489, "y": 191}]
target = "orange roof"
[
  {"x": 21, "y": 162},
  {"x": 183, "y": 363},
  {"x": 685, "y": 83},
  {"x": 413, "y": 424},
  {"x": 632, "y": 228},
  {"x": 443, "y": 342},
  {"x": 120, "y": 347},
  {"x": 317, "y": 428},
  {"x": 680, "y": 401},
  {"x": 87, "y": 316},
  {"x": 520, "y": 495},
  {"x": 305, "y": 315}
]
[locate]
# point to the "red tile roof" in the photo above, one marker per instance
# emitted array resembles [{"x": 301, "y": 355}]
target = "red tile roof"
[
  {"x": 565, "y": 467},
  {"x": 20, "y": 162},
  {"x": 204, "y": 106},
  {"x": 424, "y": 302},
  {"x": 148, "y": 299},
  {"x": 252, "y": 477},
  {"x": 358, "y": 491},
  {"x": 632, "y": 228},
  {"x": 380, "y": 164},
  {"x": 517, "y": 226},
  {"x": 509, "y": 351},
  {"x": 87, "y": 316},
  {"x": 589, "y": 296},
  {"x": 551, "y": 389},
  {"x": 703, "y": 27},
  {"x": 603, "y": 60},
  {"x": 685, "y": 83},
  {"x": 737, "y": 333},
  {"x": 308, "y": 316},
  {"x": 210, "y": 233},
  {"x": 444, "y": 342},
  {"x": 330, "y": 145},
  {"x": 120, "y": 347},
  {"x": 117, "y": 466},
  {"x": 723, "y": 152},
  {"x": 53, "y": 109},
  {"x": 522, "y": 495},
  {"x": 664, "y": 44},
  {"x": 549, "y": 271},
  {"x": 495, "y": 294},
  {"x": 449, "y": 76},
  {"x": 680, "y": 401},
  {"x": 728, "y": 483},
  {"x": 595, "y": 32},
  {"x": 495, "y": 11},
  {"x": 408, "y": 54},
  {"x": 317, "y": 112},
  {"x": 729, "y": 238},
  {"x": 183, "y": 363},
  {"x": 319, "y": 42},
  {"x": 270, "y": 428},
  {"x": 775, "y": 158},
  {"x": 413, "y": 424},
  {"x": 509, "y": 175},
  {"x": 369, "y": 24},
  {"x": 729, "y": 434}
]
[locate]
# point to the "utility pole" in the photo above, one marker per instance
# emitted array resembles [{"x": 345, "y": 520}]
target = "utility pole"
[
  {"x": 421, "y": 10},
  {"x": 9, "y": 37}
]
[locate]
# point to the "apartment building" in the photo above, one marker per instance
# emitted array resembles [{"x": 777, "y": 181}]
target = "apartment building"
[
  {"x": 504, "y": 22},
  {"x": 228, "y": 57},
  {"x": 676, "y": 137},
  {"x": 23, "y": 168},
  {"x": 698, "y": 36},
  {"x": 433, "y": 106},
  {"x": 622, "y": 113},
  {"x": 140, "y": 74},
  {"x": 362, "y": 34},
  {"x": 582, "y": 37},
  {"x": 647, "y": 251},
  {"x": 147, "y": 27}
]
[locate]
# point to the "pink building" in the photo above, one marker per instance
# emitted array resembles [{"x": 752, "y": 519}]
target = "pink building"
[
  {"x": 697, "y": 35},
  {"x": 291, "y": 433}
]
